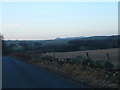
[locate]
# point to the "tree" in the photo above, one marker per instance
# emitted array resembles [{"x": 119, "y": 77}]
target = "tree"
[
  {"x": 24, "y": 46},
  {"x": 37, "y": 45},
  {"x": 5, "y": 48}
]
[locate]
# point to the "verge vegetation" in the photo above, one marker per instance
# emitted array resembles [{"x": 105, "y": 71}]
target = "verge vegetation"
[{"x": 102, "y": 73}]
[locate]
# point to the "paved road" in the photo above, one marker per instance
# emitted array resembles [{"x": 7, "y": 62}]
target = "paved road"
[{"x": 18, "y": 74}]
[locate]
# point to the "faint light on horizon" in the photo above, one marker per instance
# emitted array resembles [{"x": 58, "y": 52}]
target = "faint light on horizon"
[{"x": 13, "y": 25}]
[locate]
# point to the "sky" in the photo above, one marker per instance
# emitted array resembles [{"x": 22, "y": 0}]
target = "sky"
[{"x": 49, "y": 20}]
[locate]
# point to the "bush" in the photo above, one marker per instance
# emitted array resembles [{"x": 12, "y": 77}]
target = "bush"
[
  {"x": 118, "y": 67},
  {"x": 104, "y": 64},
  {"x": 5, "y": 49},
  {"x": 76, "y": 60},
  {"x": 91, "y": 63}
]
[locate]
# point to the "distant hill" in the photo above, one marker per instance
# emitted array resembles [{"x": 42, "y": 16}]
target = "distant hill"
[
  {"x": 69, "y": 38},
  {"x": 102, "y": 37},
  {"x": 63, "y": 41},
  {"x": 67, "y": 44}
]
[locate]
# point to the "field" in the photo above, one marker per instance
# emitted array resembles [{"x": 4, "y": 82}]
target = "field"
[{"x": 93, "y": 54}]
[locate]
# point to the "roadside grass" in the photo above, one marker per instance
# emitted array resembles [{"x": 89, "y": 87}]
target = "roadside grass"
[{"x": 97, "y": 74}]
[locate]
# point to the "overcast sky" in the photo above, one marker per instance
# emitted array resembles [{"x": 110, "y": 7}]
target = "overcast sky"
[{"x": 48, "y": 20}]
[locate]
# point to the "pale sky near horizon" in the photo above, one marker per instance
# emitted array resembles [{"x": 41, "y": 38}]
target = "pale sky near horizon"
[{"x": 48, "y": 20}]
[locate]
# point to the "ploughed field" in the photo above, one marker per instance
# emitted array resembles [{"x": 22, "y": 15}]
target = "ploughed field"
[{"x": 93, "y": 54}]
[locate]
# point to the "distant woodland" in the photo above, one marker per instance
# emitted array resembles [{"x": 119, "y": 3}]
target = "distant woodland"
[{"x": 61, "y": 44}]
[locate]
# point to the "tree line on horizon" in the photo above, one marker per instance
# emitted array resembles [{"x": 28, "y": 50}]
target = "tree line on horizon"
[{"x": 72, "y": 45}]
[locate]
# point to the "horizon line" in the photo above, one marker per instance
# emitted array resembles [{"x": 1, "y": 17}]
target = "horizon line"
[{"x": 58, "y": 37}]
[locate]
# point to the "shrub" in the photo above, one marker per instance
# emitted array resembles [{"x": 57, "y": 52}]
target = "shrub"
[
  {"x": 76, "y": 60},
  {"x": 104, "y": 64},
  {"x": 118, "y": 66},
  {"x": 91, "y": 63}
]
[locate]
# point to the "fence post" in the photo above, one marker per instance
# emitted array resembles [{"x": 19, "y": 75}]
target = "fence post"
[
  {"x": 54, "y": 55},
  {"x": 87, "y": 55},
  {"x": 81, "y": 65},
  {"x": 61, "y": 56},
  {"x": 72, "y": 56},
  {"x": 108, "y": 58}
]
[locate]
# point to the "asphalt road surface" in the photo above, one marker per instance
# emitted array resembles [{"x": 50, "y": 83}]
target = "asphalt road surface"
[{"x": 18, "y": 74}]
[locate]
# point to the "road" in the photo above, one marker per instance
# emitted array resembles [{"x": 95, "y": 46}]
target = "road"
[{"x": 18, "y": 74}]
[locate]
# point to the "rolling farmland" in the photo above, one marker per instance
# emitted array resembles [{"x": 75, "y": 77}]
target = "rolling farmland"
[{"x": 93, "y": 54}]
